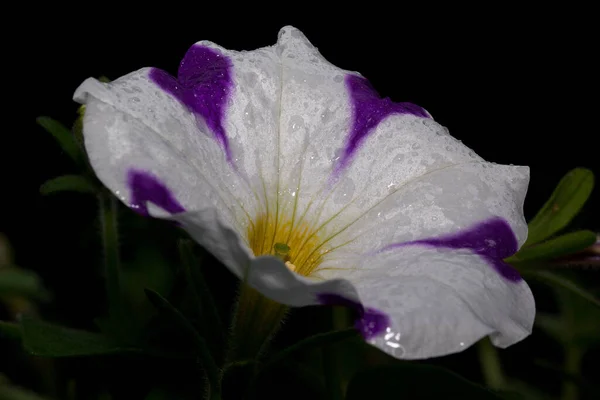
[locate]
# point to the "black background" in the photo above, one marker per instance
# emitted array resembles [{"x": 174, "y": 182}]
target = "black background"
[{"x": 517, "y": 86}]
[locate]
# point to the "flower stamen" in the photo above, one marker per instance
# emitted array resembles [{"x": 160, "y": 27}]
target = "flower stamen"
[{"x": 298, "y": 245}]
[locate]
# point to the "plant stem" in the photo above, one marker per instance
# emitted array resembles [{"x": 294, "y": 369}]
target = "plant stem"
[
  {"x": 110, "y": 243},
  {"x": 572, "y": 366},
  {"x": 207, "y": 308},
  {"x": 202, "y": 350},
  {"x": 332, "y": 376},
  {"x": 490, "y": 365},
  {"x": 255, "y": 322}
]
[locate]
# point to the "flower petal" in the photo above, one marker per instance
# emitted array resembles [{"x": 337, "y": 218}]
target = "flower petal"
[
  {"x": 348, "y": 160},
  {"x": 385, "y": 188},
  {"x": 165, "y": 145},
  {"x": 442, "y": 301},
  {"x": 413, "y": 302}
]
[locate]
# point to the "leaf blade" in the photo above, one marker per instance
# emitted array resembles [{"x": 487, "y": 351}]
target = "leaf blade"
[
  {"x": 21, "y": 282},
  {"x": 68, "y": 183},
  {"x": 43, "y": 339},
  {"x": 63, "y": 136},
  {"x": 563, "y": 283},
  {"x": 557, "y": 247},
  {"x": 568, "y": 197},
  {"x": 413, "y": 381}
]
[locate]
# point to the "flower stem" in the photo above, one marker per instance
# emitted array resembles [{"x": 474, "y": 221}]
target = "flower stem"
[
  {"x": 490, "y": 365},
  {"x": 572, "y": 368},
  {"x": 332, "y": 377},
  {"x": 256, "y": 320},
  {"x": 206, "y": 307},
  {"x": 204, "y": 355},
  {"x": 110, "y": 243}
]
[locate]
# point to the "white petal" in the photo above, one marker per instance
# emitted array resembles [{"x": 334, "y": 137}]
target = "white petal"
[
  {"x": 404, "y": 153},
  {"x": 287, "y": 123},
  {"x": 132, "y": 124},
  {"x": 433, "y": 302},
  {"x": 441, "y": 302},
  {"x": 444, "y": 201}
]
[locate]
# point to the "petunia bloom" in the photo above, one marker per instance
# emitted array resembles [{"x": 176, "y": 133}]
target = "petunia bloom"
[{"x": 300, "y": 178}]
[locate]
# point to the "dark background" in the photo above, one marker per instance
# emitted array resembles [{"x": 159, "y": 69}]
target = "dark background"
[{"x": 517, "y": 86}]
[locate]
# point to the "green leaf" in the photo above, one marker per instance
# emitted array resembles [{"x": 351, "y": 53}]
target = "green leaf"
[
  {"x": 567, "y": 199},
  {"x": 552, "y": 325},
  {"x": 48, "y": 340},
  {"x": 15, "y": 393},
  {"x": 312, "y": 342},
  {"x": 10, "y": 330},
  {"x": 206, "y": 305},
  {"x": 202, "y": 350},
  {"x": 64, "y": 137},
  {"x": 558, "y": 281},
  {"x": 557, "y": 247},
  {"x": 68, "y": 183},
  {"x": 414, "y": 381},
  {"x": 21, "y": 282}
]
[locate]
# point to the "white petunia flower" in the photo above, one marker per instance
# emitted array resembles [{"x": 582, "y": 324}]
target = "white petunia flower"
[{"x": 296, "y": 173}]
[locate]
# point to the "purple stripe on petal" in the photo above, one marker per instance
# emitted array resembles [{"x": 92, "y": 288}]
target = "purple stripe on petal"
[
  {"x": 147, "y": 188},
  {"x": 203, "y": 85},
  {"x": 370, "y": 322},
  {"x": 368, "y": 110},
  {"x": 493, "y": 240}
]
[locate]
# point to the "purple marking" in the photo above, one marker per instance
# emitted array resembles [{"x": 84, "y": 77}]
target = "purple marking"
[
  {"x": 147, "y": 188},
  {"x": 370, "y": 322},
  {"x": 203, "y": 85},
  {"x": 492, "y": 240},
  {"x": 368, "y": 110}
]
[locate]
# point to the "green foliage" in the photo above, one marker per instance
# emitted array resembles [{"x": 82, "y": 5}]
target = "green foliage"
[
  {"x": 414, "y": 381},
  {"x": 68, "y": 183},
  {"x": 48, "y": 340},
  {"x": 21, "y": 282},
  {"x": 64, "y": 137},
  {"x": 565, "y": 202},
  {"x": 556, "y": 247}
]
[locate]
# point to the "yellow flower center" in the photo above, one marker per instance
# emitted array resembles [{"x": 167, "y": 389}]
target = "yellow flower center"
[{"x": 295, "y": 242}]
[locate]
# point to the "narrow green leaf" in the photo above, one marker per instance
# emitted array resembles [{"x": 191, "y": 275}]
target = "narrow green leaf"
[
  {"x": 203, "y": 352},
  {"x": 332, "y": 374},
  {"x": 48, "y": 340},
  {"x": 78, "y": 125},
  {"x": 491, "y": 366},
  {"x": 552, "y": 325},
  {"x": 119, "y": 310},
  {"x": 63, "y": 136},
  {"x": 318, "y": 340},
  {"x": 414, "y": 381},
  {"x": 44, "y": 339},
  {"x": 565, "y": 202},
  {"x": 10, "y": 330},
  {"x": 556, "y": 280},
  {"x": 556, "y": 247},
  {"x": 21, "y": 282},
  {"x": 15, "y": 393},
  {"x": 68, "y": 183},
  {"x": 206, "y": 305}
]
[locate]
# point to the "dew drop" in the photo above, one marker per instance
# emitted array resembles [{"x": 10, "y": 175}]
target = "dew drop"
[{"x": 344, "y": 192}]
